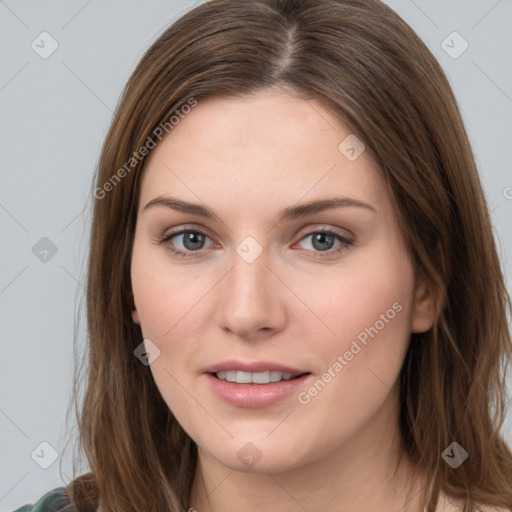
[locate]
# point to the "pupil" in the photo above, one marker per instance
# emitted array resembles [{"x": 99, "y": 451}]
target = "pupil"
[
  {"x": 191, "y": 238},
  {"x": 321, "y": 237}
]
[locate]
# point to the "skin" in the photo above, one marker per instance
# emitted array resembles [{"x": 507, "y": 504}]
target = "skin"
[{"x": 246, "y": 159}]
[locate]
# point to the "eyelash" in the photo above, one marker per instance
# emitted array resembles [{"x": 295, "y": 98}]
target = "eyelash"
[{"x": 344, "y": 243}]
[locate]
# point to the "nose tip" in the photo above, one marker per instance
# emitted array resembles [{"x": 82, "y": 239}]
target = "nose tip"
[{"x": 249, "y": 302}]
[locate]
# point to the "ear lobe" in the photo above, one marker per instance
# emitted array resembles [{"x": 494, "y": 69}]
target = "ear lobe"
[
  {"x": 424, "y": 308},
  {"x": 135, "y": 313}
]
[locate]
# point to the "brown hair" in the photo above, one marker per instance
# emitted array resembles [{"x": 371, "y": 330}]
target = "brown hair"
[{"x": 366, "y": 64}]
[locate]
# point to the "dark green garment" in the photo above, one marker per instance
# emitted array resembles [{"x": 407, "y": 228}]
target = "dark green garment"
[{"x": 53, "y": 501}]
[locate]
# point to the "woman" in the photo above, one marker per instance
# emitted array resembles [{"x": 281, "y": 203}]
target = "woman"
[{"x": 294, "y": 296}]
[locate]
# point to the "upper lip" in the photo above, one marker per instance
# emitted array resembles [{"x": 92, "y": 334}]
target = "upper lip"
[{"x": 253, "y": 367}]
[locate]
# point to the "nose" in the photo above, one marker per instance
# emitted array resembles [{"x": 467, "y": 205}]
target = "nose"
[{"x": 251, "y": 301}]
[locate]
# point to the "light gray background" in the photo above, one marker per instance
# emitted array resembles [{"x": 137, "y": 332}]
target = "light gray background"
[{"x": 54, "y": 116}]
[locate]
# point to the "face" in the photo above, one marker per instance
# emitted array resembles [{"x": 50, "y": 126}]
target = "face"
[{"x": 233, "y": 289}]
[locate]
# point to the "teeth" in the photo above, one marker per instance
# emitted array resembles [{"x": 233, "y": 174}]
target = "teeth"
[
  {"x": 241, "y": 377},
  {"x": 275, "y": 376},
  {"x": 260, "y": 377}
]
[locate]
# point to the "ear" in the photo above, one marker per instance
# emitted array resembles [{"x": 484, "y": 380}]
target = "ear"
[
  {"x": 135, "y": 313},
  {"x": 423, "y": 316}
]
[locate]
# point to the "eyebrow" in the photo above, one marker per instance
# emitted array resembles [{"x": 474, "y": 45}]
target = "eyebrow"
[{"x": 290, "y": 213}]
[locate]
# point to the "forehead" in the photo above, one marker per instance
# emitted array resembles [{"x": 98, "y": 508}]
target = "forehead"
[
  {"x": 265, "y": 147},
  {"x": 259, "y": 121}
]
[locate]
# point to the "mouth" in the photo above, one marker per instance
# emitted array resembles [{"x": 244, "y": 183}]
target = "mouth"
[
  {"x": 255, "y": 384},
  {"x": 260, "y": 388},
  {"x": 264, "y": 377}
]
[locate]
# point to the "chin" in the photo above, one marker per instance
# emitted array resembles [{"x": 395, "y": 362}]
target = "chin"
[{"x": 259, "y": 456}]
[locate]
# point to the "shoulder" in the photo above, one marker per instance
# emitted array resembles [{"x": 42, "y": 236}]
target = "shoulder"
[
  {"x": 447, "y": 504},
  {"x": 53, "y": 501},
  {"x": 488, "y": 508}
]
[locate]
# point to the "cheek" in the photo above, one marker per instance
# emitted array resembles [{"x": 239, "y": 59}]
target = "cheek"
[
  {"x": 165, "y": 301},
  {"x": 371, "y": 292},
  {"x": 370, "y": 313},
  {"x": 169, "y": 303},
  {"x": 163, "y": 295},
  {"x": 366, "y": 313}
]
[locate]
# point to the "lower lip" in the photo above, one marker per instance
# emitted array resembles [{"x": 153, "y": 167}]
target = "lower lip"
[{"x": 253, "y": 395}]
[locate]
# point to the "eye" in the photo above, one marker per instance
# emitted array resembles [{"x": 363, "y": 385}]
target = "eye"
[
  {"x": 323, "y": 240},
  {"x": 192, "y": 242}
]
